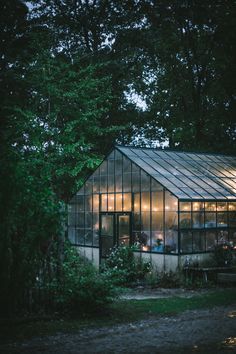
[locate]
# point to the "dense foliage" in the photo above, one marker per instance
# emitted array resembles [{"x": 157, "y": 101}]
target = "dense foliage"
[
  {"x": 76, "y": 76},
  {"x": 122, "y": 267}
]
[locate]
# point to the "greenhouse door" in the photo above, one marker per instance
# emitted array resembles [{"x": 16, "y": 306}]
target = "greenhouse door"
[{"x": 115, "y": 229}]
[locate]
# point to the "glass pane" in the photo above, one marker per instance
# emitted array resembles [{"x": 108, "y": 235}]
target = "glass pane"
[
  {"x": 221, "y": 206},
  {"x": 136, "y": 182},
  {"x": 71, "y": 235},
  {"x": 157, "y": 201},
  {"x": 185, "y": 220},
  {"x": 145, "y": 240},
  {"x": 223, "y": 237},
  {"x": 88, "y": 237},
  {"x": 71, "y": 219},
  {"x": 103, "y": 184},
  {"x": 104, "y": 202},
  {"x": 145, "y": 220},
  {"x": 145, "y": 201},
  {"x": 185, "y": 206},
  {"x": 88, "y": 202},
  {"x": 157, "y": 220},
  {"x": 186, "y": 242},
  {"x": 127, "y": 182},
  {"x": 136, "y": 202},
  {"x": 171, "y": 241},
  {"x": 145, "y": 181},
  {"x": 211, "y": 240},
  {"x": 232, "y": 238},
  {"x": 96, "y": 184},
  {"x": 80, "y": 236},
  {"x": 127, "y": 202},
  {"x": 118, "y": 166},
  {"x": 111, "y": 202},
  {"x": 111, "y": 183},
  {"x": 88, "y": 220},
  {"x": 95, "y": 229},
  {"x": 210, "y": 206},
  {"x": 198, "y": 220},
  {"x": 171, "y": 202},
  {"x": 118, "y": 179},
  {"x": 210, "y": 219},
  {"x": 118, "y": 202},
  {"x": 126, "y": 165},
  {"x": 137, "y": 222},
  {"x": 155, "y": 186},
  {"x": 232, "y": 219},
  {"x": 107, "y": 227},
  {"x": 198, "y": 206},
  {"x": 88, "y": 186},
  {"x": 222, "y": 219},
  {"x": 171, "y": 220},
  {"x": 80, "y": 203},
  {"x": 96, "y": 202},
  {"x": 80, "y": 220},
  {"x": 198, "y": 241},
  {"x": 106, "y": 245},
  {"x": 111, "y": 167},
  {"x": 124, "y": 229},
  {"x": 103, "y": 168},
  {"x": 157, "y": 241},
  {"x": 232, "y": 206}
]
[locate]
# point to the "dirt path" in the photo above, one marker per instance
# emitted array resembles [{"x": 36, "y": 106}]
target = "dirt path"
[{"x": 202, "y": 331}]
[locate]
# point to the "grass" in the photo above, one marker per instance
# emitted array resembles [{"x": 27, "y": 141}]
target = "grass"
[{"x": 122, "y": 311}]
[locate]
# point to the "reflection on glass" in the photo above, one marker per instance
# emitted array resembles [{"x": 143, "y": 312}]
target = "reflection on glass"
[
  {"x": 103, "y": 168},
  {"x": 171, "y": 220},
  {"x": 127, "y": 201},
  {"x": 103, "y": 184},
  {"x": 124, "y": 229},
  {"x": 157, "y": 241},
  {"x": 136, "y": 202},
  {"x": 145, "y": 201},
  {"x": 210, "y": 219},
  {"x": 198, "y": 206},
  {"x": 185, "y": 220},
  {"x": 80, "y": 220},
  {"x": 136, "y": 181},
  {"x": 111, "y": 183},
  {"x": 198, "y": 241},
  {"x": 156, "y": 186},
  {"x": 185, "y": 206},
  {"x": 107, "y": 225},
  {"x": 171, "y": 202},
  {"x": 111, "y": 202},
  {"x": 88, "y": 237},
  {"x": 127, "y": 182},
  {"x": 96, "y": 202},
  {"x": 118, "y": 183},
  {"x": 186, "y": 242},
  {"x": 211, "y": 240},
  {"x": 157, "y": 220},
  {"x": 221, "y": 206},
  {"x": 171, "y": 241},
  {"x": 222, "y": 219},
  {"x": 145, "y": 181},
  {"x": 232, "y": 219},
  {"x": 104, "y": 202},
  {"x": 157, "y": 201},
  {"x": 210, "y": 206},
  {"x": 118, "y": 202},
  {"x": 126, "y": 165},
  {"x": 198, "y": 220}
]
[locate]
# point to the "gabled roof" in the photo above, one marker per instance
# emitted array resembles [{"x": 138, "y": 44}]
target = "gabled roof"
[{"x": 188, "y": 175}]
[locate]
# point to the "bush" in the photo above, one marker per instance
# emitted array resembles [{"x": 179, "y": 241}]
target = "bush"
[
  {"x": 123, "y": 268},
  {"x": 223, "y": 255},
  {"x": 79, "y": 287}
]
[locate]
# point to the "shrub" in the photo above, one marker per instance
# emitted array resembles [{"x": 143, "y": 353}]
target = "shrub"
[
  {"x": 123, "y": 268},
  {"x": 79, "y": 287},
  {"x": 223, "y": 254}
]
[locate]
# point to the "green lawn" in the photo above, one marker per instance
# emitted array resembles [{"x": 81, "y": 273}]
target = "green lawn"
[{"x": 121, "y": 311}]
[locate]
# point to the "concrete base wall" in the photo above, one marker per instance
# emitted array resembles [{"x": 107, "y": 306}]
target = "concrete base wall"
[{"x": 160, "y": 262}]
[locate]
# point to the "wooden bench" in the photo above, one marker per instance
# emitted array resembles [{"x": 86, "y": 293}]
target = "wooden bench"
[{"x": 226, "y": 277}]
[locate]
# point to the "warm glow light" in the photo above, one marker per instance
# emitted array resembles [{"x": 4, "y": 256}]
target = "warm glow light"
[
  {"x": 144, "y": 248},
  {"x": 167, "y": 207},
  {"x": 145, "y": 207}
]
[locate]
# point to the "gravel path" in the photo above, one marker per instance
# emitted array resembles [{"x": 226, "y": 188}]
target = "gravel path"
[{"x": 203, "y": 331}]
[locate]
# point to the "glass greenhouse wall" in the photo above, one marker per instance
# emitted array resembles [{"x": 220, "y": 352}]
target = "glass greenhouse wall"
[{"x": 159, "y": 202}]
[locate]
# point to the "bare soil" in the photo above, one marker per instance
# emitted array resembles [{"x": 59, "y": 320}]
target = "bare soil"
[{"x": 206, "y": 331}]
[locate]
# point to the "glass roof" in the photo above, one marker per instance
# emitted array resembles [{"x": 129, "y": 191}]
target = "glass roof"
[{"x": 188, "y": 175}]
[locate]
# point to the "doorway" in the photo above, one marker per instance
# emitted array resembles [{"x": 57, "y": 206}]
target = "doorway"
[{"x": 115, "y": 229}]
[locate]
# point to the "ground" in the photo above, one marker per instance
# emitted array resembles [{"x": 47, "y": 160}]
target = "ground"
[{"x": 208, "y": 331}]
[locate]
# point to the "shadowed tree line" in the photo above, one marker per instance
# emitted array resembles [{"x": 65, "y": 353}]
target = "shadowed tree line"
[{"x": 70, "y": 76}]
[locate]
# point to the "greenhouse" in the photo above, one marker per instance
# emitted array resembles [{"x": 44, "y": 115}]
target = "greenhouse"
[{"x": 165, "y": 204}]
